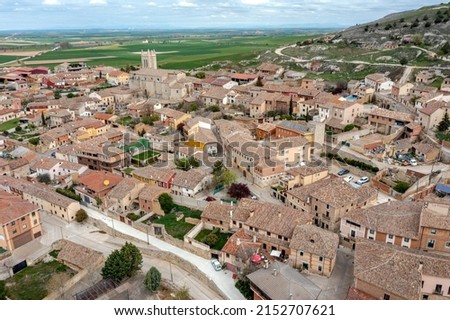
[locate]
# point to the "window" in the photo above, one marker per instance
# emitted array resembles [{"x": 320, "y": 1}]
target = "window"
[
  {"x": 352, "y": 233},
  {"x": 433, "y": 231},
  {"x": 447, "y": 245},
  {"x": 13, "y": 223},
  {"x": 430, "y": 244},
  {"x": 268, "y": 233},
  {"x": 371, "y": 231},
  {"x": 320, "y": 258},
  {"x": 301, "y": 253},
  {"x": 406, "y": 239},
  {"x": 390, "y": 236},
  {"x": 386, "y": 297},
  {"x": 320, "y": 268}
]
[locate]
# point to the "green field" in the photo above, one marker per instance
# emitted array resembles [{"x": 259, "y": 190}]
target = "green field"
[
  {"x": 4, "y": 59},
  {"x": 9, "y": 124},
  {"x": 176, "y": 53},
  {"x": 148, "y": 154}
]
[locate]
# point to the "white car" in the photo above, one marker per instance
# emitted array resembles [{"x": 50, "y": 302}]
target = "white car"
[
  {"x": 363, "y": 180},
  {"x": 413, "y": 162},
  {"x": 216, "y": 264},
  {"x": 348, "y": 178}
]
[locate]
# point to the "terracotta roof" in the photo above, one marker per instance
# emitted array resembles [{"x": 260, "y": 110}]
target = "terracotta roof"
[
  {"x": 78, "y": 255},
  {"x": 400, "y": 116},
  {"x": 153, "y": 173},
  {"x": 315, "y": 240},
  {"x": 124, "y": 187},
  {"x": 241, "y": 245},
  {"x": 171, "y": 113},
  {"x": 277, "y": 219},
  {"x": 398, "y": 218},
  {"x": 13, "y": 207},
  {"x": 267, "y": 126},
  {"x": 424, "y": 147},
  {"x": 307, "y": 170},
  {"x": 45, "y": 164},
  {"x": 430, "y": 109},
  {"x": 98, "y": 181},
  {"x": 304, "y": 192},
  {"x": 189, "y": 179},
  {"x": 436, "y": 215},
  {"x": 396, "y": 269},
  {"x": 218, "y": 211},
  {"x": 151, "y": 192},
  {"x": 268, "y": 67}
]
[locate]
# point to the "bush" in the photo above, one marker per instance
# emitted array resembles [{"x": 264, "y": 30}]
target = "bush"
[
  {"x": 34, "y": 141},
  {"x": 152, "y": 280},
  {"x": 44, "y": 178},
  {"x": 401, "y": 186},
  {"x": 362, "y": 165},
  {"x": 122, "y": 263},
  {"x": 239, "y": 191},
  {"x": 166, "y": 202},
  {"x": 182, "y": 294},
  {"x": 70, "y": 193},
  {"x": 2, "y": 290},
  {"x": 18, "y": 128},
  {"x": 81, "y": 215},
  {"x": 243, "y": 285},
  {"x": 211, "y": 239},
  {"x": 349, "y": 127}
]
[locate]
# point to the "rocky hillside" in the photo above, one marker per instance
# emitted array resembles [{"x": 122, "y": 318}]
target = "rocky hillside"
[{"x": 427, "y": 26}]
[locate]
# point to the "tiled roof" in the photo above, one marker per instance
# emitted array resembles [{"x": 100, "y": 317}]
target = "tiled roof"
[
  {"x": 123, "y": 188},
  {"x": 99, "y": 180},
  {"x": 424, "y": 147},
  {"x": 153, "y": 173},
  {"x": 218, "y": 211},
  {"x": 396, "y": 269},
  {"x": 45, "y": 164},
  {"x": 394, "y": 217},
  {"x": 306, "y": 170},
  {"x": 151, "y": 192},
  {"x": 189, "y": 179},
  {"x": 78, "y": 255},
  {"x": 338, "y": 193},
  {"x": 304, "y": 192},
  {"x": 430, "y": 109},
  {"x": 241, "y": 245},
  {"x": 13, "y": 207},
  {"x": 400, "y": 116},
  {"x": 315, "y": 240},
  {"x": 436, "y": 215},
  {"x": 355, "y": 294},
  {"x": 171, "y": 113}
]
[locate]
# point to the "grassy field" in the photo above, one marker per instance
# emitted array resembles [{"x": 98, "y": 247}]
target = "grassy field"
[
  {"x": 178, "y": 229},
  {"x": 4, "y": 59},
  {"x": 31, "y": 283},
  {"x": 146, "y": 155},
  {"x": 9, "y": 124},
  {"x": 222, "y": 238},
  {"x": 176, "y": 53}
]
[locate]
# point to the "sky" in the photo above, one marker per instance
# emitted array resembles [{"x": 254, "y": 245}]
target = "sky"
[{"x": 192, "y": 14}]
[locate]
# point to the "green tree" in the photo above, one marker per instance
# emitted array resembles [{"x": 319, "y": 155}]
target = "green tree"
[
  {"x": 57, "y": 94},
  {"x": 166, "y": 202},
  {"x": 152, "y": 280},
  {"x": 349, "y": 127},
  {"x": 44, "y": 178},
  {"x": 133, "y": 256},
  {"x": 291, "y": 107},
  {"x": 401, "y": 186},
  {"x": 403, "y": 60},
  {"x": 217, "y": 168},
  {"x": 44, "y": 122},
  {"x": 211, "y": 239},
  {"x": 444, "y": 125},
  {"x": 18, "y": 128},
  {"x": 259, "y": 82},
  {"x": 3, "y": 290},
  {"x": 228, "y": 177},
  {"x": 81, "y": 215},
  {"x": 34, "y": 141},
  {"x": 116, "y": 268}
]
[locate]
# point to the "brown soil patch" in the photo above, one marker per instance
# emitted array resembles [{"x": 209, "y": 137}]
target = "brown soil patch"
[{"x": 19, "y": 53}]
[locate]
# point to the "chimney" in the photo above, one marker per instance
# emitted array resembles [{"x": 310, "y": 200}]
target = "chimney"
[
  {"x": 420, "y": 266},
  {"x": 279, "y": 214},
  {"x": 254, "y": 238},
  {"x": 252, "y": 212},
  {"x": 231, "y": 213},
  {"x": 238, "y": 242}
]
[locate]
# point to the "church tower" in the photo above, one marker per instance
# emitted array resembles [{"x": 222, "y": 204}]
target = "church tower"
[{"x": 148, "y": 60}]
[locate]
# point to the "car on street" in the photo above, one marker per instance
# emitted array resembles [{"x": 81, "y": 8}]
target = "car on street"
[
  {"x": 216, "y": 264},
  {"x": 363, "y": 180},
  {"x": 343, "y": 172},
  {"x": 348, "y": 178}
]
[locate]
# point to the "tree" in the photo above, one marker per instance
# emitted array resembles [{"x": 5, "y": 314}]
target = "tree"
[
  {"x": 133, "y": 256},
  {"x": 116, "y": 268},
  {"x": 403, "y": 61},
  {"x": 444, "y": 125},
  {"x": 3, "y": 290},
  {"x": 57, "y": 94},
  {"x": 34, "y": 141},
  {"x": 401, "y": 186},
  {"x": 211, "y": 239},
  {"x": 218, "y": 168},
  {"x": 81, "y": 215},
  {"x": 228, "y": 177},
  {"x": 44, "y": 122},
  {"x": 291, "y": 107},
  {"x": 239, "y": 191},
  {"x": 152, "y": 280},
  {"x": 18, "y": 128},
  {"x": 44, "y": 178},
  {"x": 166, "y": 202},
  {"x": 259, "y": 82},
  {"x": 349, "y": 127}
]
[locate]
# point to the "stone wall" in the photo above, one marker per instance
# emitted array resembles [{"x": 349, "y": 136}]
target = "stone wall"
[
  {"x": 67, "y": 286},
  {"x": 189, "y": 202}
]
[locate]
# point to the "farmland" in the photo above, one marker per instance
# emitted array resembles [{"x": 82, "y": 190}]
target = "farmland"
[{"x": 176, "y": 51}]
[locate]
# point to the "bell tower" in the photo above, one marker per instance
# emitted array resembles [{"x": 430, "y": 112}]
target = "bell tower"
[{"x": 148, "y": 59}]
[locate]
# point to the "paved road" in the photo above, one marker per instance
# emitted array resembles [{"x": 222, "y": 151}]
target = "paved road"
[{"x": 222, "y": 279}]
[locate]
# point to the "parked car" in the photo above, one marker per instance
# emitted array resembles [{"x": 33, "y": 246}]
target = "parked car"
[
  {"x": 363, "y": 180},
  {"x": 216, "y": 264},
  {"x": 254, "y": 197},
  {"x": 343, "y": 172},
  {"x": 413, "y": 162},
  {"x": 348, "y": 178}
]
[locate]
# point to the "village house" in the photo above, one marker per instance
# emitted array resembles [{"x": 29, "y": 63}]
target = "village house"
[
  {"x": 117, "y": 78},
  {"x": 58, "y": 117},
  {"x": 379, "y": 82},
  {"x": 313, "y": 249},
  {"x": 425, "y": 77},
  {"x": 427, "y": 152},
  {"x": 93, "y": 186},
  {"x": 389, "y": 272},
  {"x": 149, "y": 199},
  {"x": 393, "y": 222},
  {"x": 57, "y": 169},
  {"x": 237, "y": 253},
  {"x": 100, "y": 154},
  {"x": 300, "y": 197},
  {"x": 431, "y": 114},
  {"x": 399, "y": 90},
  {"x": 46, "y": 199},
  {"x": 189, "y": 183},
  {"x": 215, "y": 96},
  {"x": 20, "y": 221},
  {"x": 270, "y": 69},
  {"x": 388, "y": 122},
  {"x": 172, "y": 118},
  {"x": 122, "y": 197},
  {"x": 161, "y": 177},
  {"x": 435, "y": 226}
]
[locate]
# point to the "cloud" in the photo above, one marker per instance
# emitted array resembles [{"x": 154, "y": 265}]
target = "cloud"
[
  {"x": 255, "y": 2},
  {"x": 51, "y": 2},
  {"x": 128, "y": 6},
  {"x": 186, "y": 4},
  {"x": 98, "y": 2},
  {"x": 151, "y": 4}
]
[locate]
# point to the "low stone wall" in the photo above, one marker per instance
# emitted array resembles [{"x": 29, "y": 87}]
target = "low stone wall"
[
  {"x": 67, "y": 286},
  {"x": 189, "y": 202},
  {"x": 165, "y": 255}
]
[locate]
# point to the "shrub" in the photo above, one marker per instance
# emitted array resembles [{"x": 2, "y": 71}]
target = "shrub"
[
  {"x": 243, "y": 285},
  {"x": 166, "y": 202},
  {"x": 211, "y": 239},
  {"x": 2, "y": 290},
  {"x": 81, "y": 215},
  {"x": 152, "y": 280},
  {"x": 44, "y": 178},
  {"x": 401, "y": 186}
]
